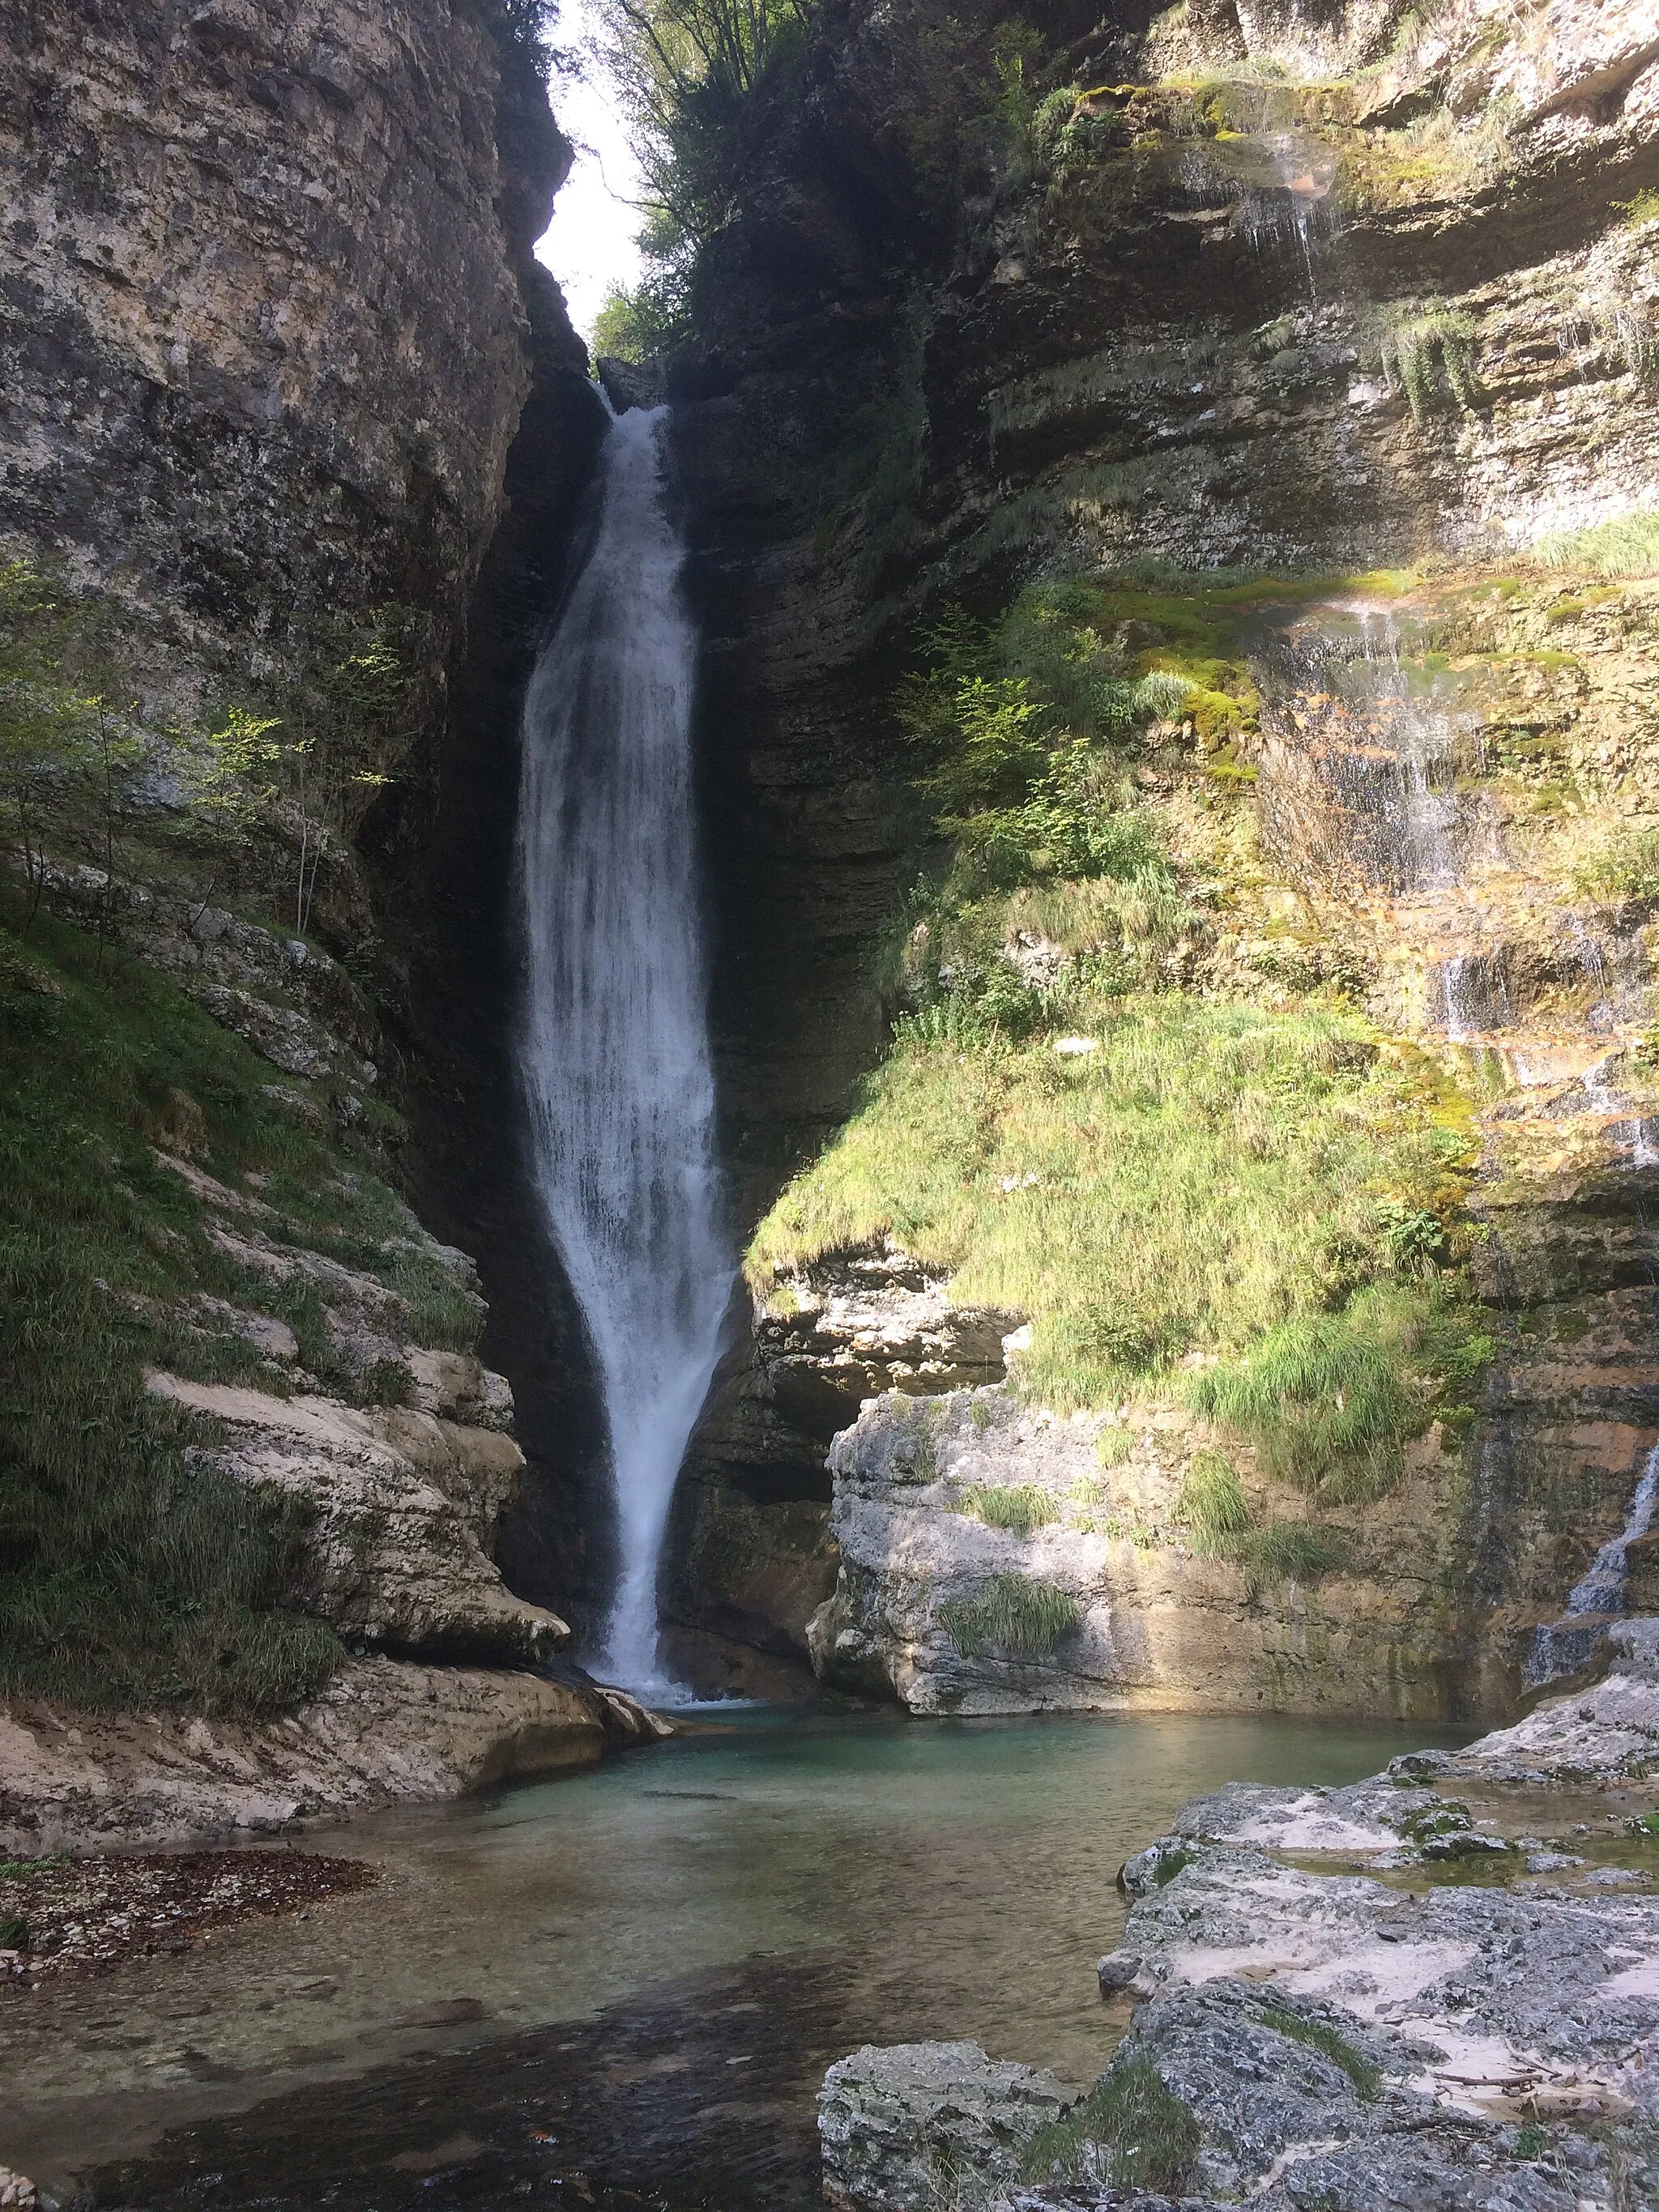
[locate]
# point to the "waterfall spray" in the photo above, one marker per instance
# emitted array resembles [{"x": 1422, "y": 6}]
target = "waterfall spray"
[{"x": 614, "y": 1047}]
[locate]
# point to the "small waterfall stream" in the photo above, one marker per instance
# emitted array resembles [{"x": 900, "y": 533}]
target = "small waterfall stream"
[
  {"x": 614, "y": 1045},
  {"x": 1365, "y": 737},
  {"x": 1559, "y": 1646}
]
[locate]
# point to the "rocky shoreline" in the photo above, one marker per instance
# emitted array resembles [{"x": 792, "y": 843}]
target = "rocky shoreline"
[
  {"x": 1438, "y": 1988},
  {"x": 383, "y": 1731}
]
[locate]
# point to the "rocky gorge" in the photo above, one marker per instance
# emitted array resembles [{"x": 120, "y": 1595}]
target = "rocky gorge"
[
  {"x": 1279, "y": 291},
  {"x": 1137, "y": 624}
]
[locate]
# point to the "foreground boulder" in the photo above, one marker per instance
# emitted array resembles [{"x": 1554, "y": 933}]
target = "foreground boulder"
[
  {"x": 911, "y": 2124},
  {"x": 1320, "y": 2041}
]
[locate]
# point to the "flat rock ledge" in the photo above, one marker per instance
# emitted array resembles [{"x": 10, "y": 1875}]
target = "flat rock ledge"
[
  {"x": 382, "y": 1732},
  {"x": 1307, "y": 2040}
]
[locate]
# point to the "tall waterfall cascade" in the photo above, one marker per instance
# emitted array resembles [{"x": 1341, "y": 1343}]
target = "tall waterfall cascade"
[{"x": 614, "y": 1043}]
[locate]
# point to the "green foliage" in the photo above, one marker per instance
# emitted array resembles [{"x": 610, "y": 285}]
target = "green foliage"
[
  {"x": 688, "y": 72},
  {"x": 1530, "y": 2141},
  {"x": 1020, "y": 1507},
  {"x": 1013, "y": 1614},
  {"x": 643, "y": 323},
  {"x": 1208, "y": 1173},
  {"x": 1433, "y": 354},
  {"x": 1329, "y": 1401},
  {"x": 1289, "y": 1551},
  {"x": 1318, "y": 2035},
  {"x": 1622, "y": 863},
  {"x": 1644, "y": 209},
  {"x": 132, "y": 1570},
  {"x": 84, "y": 776},
  {"x": 1212, "y": 1502},
  {"x": 1113, "y": 1446},
  {"x": 1626, "y": 547},
  {"x": 1129, "y": 2132}
]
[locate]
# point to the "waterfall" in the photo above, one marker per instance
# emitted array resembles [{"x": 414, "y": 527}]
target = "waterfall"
[
  {"x": 1560, "y": 1646},
  {"x": 614, "y": 1045}
]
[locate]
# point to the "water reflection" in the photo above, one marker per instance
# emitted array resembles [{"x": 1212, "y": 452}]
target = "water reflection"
[{"x": 769, "y": 1895}]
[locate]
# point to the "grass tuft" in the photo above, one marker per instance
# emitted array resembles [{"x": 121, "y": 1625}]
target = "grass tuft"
[
  {"x": 1019, "y": 1507},
  {"x": 1289, "y": 1551},
  {"x": 1021, "y": 1618},
  {"x": 1367, "y": 2079},
  {"x": 1212, "y": 1502},
  {"x": 1628, "y": 546},
  {"x": 1129, "y": 2132},
  {"x": 1329, "y": 1401}
]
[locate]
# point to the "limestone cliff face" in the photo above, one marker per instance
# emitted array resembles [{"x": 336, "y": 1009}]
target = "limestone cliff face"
[
  {"x": 276, "y": 353},
  {"x": 1317, "y": 287},
  {"x": 265, "y": 335}
]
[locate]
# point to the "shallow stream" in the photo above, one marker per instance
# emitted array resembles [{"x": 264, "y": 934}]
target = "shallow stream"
[{"x": 624, "y": 1987}]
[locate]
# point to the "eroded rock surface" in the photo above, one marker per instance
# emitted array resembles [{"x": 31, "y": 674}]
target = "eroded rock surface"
[
  {"x": 1314, "y": 2037},
  {"x": 1155, "y": 1624},
  {"x": 383, "y": 1731},
  {"x": 897, "y": 2123}
]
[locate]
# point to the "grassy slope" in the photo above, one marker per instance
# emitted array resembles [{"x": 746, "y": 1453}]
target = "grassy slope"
[
  {"x": 131, "y": 1572},
  {"x": 1259, "y": 1184}
]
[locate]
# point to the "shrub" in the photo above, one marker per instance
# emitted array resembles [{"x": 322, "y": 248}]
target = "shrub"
[
  {"x": 1014, "y": 1615},
  {"x": 1129, "y": 2132},
  {"x": 1019, "y": 1507}
]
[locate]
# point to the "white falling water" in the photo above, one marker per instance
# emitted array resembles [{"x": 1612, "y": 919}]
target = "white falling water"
[
  {"x": 614, "y": 1044},
  {"x": 1558, "y": 1647}
]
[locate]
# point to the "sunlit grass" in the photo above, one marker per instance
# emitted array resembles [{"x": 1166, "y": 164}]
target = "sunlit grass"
[
  {"x": 1206, "y": 1173},
  {"x": 1626, "y": 547},
  {"x": 1019, "y": 1507}
]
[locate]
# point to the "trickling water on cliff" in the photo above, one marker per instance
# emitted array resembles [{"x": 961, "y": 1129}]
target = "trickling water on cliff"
[
  {"x": 1559, "y": 1646},
  {"x": 614, "y": 1046},
  {"x": 1372, "y": 747},
  {"x": 1366, "y": 737}
]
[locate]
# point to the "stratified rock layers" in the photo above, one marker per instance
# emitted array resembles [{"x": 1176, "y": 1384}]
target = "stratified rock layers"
[
  {"x": 264, "y": 345},
  {"x": 1141, "y": 361}
]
